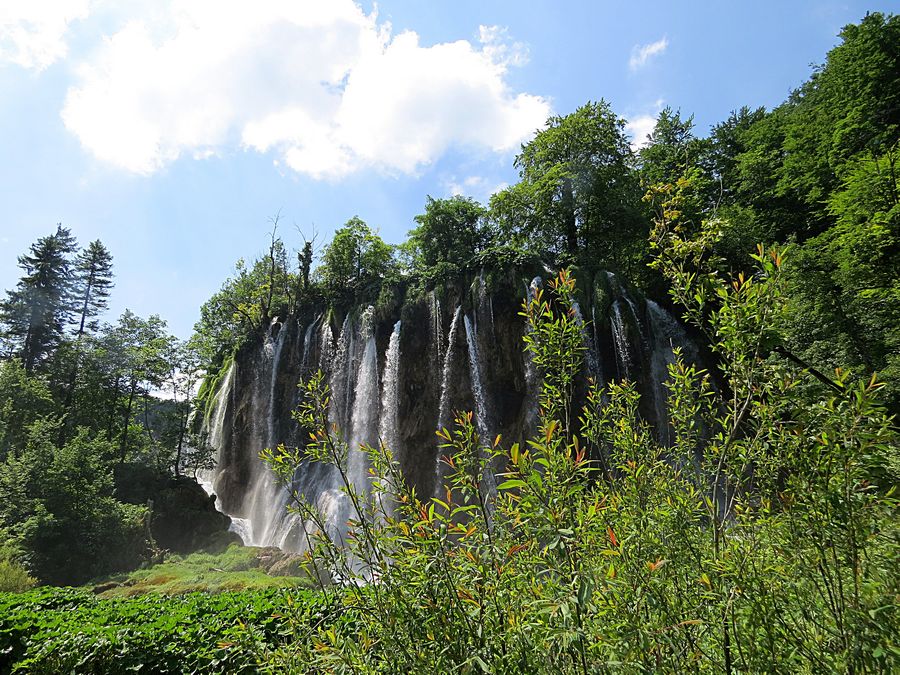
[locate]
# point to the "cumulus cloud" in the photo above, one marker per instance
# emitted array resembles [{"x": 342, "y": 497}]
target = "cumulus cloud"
[
  {"x": 639, "y": 127},
  {"x": 640, "y": 54},
  {"x": 32, "y": 32},
  {"x": 320, "y": 83},
  {"x": 478, "y": 187}
]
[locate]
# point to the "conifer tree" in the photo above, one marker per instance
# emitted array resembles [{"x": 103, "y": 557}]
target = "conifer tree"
[
  {"x": 35, "y": 313},
  {"x": 93, "y": 282}
]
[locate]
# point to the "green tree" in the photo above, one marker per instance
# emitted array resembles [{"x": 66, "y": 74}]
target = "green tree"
[
  {"x": 92, "y": 285},
  {"x": 35, "y": 314},
  {"x": 449, "y": 235},
  {"x": 24, "y": 400},
  {"x": 140, "y": 348},
  {"x": 247, "y": 301},
  {"x": 355, "y": 263},
  {"x": 577, "y": 195},
  {"x": 58, "y": 504}
]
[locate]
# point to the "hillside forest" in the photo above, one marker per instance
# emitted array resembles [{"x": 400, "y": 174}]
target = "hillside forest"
[{"x": 761, "y": 535}]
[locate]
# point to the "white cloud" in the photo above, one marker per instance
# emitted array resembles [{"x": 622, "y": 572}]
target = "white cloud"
[
  {"x": 319, "y": 82},
  {"x": 32, "y": 32},
  {"x": 639, "y": 127},
  {"x": 640, "y": 54},
  {"x": 479, "y": 188}
]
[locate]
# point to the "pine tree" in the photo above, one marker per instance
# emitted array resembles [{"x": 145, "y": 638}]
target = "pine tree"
[
  {"x": 93, "y": 282},
  {"x": 37, "y": 310}
]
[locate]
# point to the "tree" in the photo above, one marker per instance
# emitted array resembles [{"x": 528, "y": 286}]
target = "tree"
[
  {"x": 246, "y": 302},
  {"x": 36, "y": 312},
  {"x": 58, "y": 503},
  {"x": 577, "y": 196},
  {"x": 671, "y": 149},
  {"x": 141, "y": 347},
  {"x": 449, "y": 235},
  {"x": 93, "y": 282},
  {"x": 181, "y": 381},
  {"x": 23, "y": 401},
  {"x": 355, "y": 262},
  {"x": 92, "y": 285}
]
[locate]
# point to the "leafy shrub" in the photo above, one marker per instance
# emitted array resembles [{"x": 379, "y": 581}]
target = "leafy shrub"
[
  {"x": 14, "y": 578},
  {"x": 56, "y": 630},
  {"x": 761, "y": 540}
]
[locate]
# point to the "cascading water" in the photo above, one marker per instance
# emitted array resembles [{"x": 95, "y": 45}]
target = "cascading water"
[
  {"x": 216, "y": 433},
  {"x": 308, "y": 344},
  {"x": 390, "y": 404},
  {"x": 341, "y": 377},
  {"x": 364, "y": 417},
  {"x": 666, "y": 334},
  {"x": 482, "y": 413},
  {"x": 437, "y": 328},
  {"x": 591, "y": 357},
  {"x": 326, "y": 348},
  {"x": 620, "y": 341},
  {"x": 273, "y": 380},
  {"x": 532, "y": 379},
  {"x": 444, "y": 402},
  {"x": 398, "y": 398},
  {"x": 443, "y": 407}
]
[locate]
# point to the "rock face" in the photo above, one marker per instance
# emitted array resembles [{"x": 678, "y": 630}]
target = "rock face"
[
  {"x": 398, "y": 374},
  {"x": 183, "y": 517}
]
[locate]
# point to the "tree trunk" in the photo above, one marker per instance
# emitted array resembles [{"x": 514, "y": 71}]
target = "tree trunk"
[
  {"x": 570, "y": 223},
  {"x": 123, "y": 449}
]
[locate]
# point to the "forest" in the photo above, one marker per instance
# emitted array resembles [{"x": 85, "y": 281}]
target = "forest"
[{"x": 737, "y": 513}]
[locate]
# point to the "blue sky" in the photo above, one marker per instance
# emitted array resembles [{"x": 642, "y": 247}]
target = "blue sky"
[{"x": 175, "y": 130}]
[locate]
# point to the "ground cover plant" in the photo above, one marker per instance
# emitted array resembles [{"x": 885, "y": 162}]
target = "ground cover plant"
[
  {"x": 69, "y": 630},
  {"x": 237, "y": 568}
]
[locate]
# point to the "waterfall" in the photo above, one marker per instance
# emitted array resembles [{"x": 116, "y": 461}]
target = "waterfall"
[
  {"x": 620, "y": 340},
  {"x": 326, "y": 351},
  {"x": 591, "y": 358},
  {"x": 380, "y": 394},
  {"x": 666, "y": 334},
  {"x": 390, "y": 404},
  {"x": 532, "y": 379},
  {"x": 216, "y": 435},
  {"x": 482, "y": 415},
  {"x": 341, "y": 374},
  {"x": 437, "y": 328},
  {"x": 273, "y": 380},
  {"x": 307, "y": 345},
  {"x": 364, "y": 413},
  {"x": 443, "y": 412}
]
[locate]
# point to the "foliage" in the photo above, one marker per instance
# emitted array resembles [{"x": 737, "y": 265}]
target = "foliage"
[
  {"x": 577, "y": 196},
  {"x": 58, "y": 505},
  {"x": 354, "y": 263},
  {"x": 23, "y": 401},
  {"x": 237, "y": 568},
  {"x": 449, "y": 236},
  {"x": 36, "y": 312},
  {"x": 93, "y": 283},
  {"x": 55, "y": 630},
  {"x": 764, "y": 538},
  {"x": 257, "y": 292}
]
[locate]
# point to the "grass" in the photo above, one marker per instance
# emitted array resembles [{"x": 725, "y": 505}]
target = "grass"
[{"x": 237, "y": 568}]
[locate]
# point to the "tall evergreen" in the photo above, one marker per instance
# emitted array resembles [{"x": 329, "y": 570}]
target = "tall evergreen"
[
  {"x": 93, "y": 282},
  {"x": 36, "y": 312}
]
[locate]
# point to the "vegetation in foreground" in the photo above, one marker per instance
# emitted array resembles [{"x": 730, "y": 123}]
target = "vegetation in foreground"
[
  {"x": 69, "y": 630},
  {"x": 764, "y": 539},
  {"x": 237, "y": 568}
]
